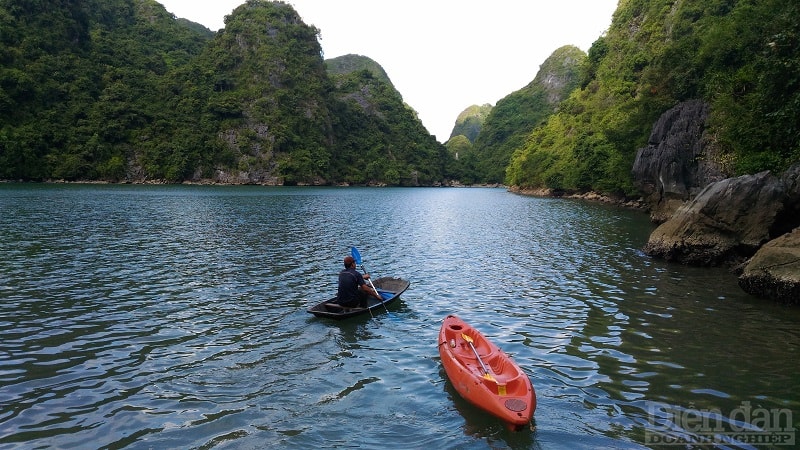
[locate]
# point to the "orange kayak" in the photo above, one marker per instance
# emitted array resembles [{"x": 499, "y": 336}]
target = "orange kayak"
[{"x": 484, "y": 375}]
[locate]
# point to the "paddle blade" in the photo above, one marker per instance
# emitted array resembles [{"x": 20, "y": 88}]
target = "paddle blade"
[
  {"x": 466, "y": 337},
  {"x": 356, "y": 255}
]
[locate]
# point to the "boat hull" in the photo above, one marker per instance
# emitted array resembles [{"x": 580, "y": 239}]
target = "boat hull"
[
  {"x": 390, "y": 289},
  {"x": 505, "y": 393}
]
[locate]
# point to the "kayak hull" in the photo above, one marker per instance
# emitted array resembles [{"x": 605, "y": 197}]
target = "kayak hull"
[
  {"x": 390, "y": 289},
  {"x": 506, "y": 392}
]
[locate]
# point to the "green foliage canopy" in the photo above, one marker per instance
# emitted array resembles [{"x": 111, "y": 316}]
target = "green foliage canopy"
[
  {"x": 515, "y": 116},
  {"x": 740, "y": 56},
  {"x": 120, "y": 90}
]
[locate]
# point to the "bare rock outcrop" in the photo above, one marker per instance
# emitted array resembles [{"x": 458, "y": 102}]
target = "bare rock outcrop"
[
  {"x": 728, "y": 221},
  {"x": 708, "y": 220},
  {"x": 790, "y": 217},
  {"x": 774, "y": 271},
  {"x": 677, "y": 162}
]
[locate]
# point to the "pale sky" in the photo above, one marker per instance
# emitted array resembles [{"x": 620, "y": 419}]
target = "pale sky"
[{"x": 442, "y": 55}]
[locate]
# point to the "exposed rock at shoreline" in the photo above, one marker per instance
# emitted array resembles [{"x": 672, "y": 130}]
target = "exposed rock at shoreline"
[
  {"x": 262, "y": 177},
  {"x": 707, "y": 220},
  {"x": 677, "y": 162},
  {"x": 588, "y": 196},
  {"x": 774, "y": 271},
  {"x": 737, "y": 218},
  {"x": 726, "y": 223},
  {"x": 728, "y": 220}
]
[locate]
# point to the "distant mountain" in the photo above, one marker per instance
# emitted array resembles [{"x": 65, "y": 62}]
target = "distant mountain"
[
  {"x": 378, "y": 138},
  {"x": 470, "y": 122},
  {"x": 346, "y": 64},
  {"x": 514, "y": 117},
  {"x": 120, "y": 90}
]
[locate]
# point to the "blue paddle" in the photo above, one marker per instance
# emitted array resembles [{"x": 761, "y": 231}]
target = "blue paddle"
[{"x": 357, "y": 256}]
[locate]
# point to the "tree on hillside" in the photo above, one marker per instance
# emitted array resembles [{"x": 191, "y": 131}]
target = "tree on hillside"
[
  {"x": 738, "y": 56},
  {"x": 514, "y": 117}
]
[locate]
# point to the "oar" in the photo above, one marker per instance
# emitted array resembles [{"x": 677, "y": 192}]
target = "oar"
[
  {"x": 357, "y": 256},
  {"x": 486, "y": 373}
]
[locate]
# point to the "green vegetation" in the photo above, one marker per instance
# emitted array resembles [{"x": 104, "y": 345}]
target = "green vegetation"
[
  {"x": 740, "y": 56},
  {"x": 78, "y": 86},
  {"x": 462, "y": 157},
  {"x": 470, "y": 122},
  {"x": 120, "y": 90},
  {"x": 379, "y": 139},
  {"x": 343, "y": 65},
  {"x": 515, "y": 116},
  {"x": 468, "y": 127}
]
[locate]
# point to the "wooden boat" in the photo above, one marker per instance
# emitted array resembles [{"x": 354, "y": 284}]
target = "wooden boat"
[
  {"x": 389, "y": 288},
  {"x": 484, "y": 375}
]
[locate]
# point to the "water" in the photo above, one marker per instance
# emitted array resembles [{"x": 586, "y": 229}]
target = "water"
[{"x": 174, "y": 317}]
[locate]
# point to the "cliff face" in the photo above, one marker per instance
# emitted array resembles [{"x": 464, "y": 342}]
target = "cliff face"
[
  {"x": 709, "y": 220},
  {"x": 678, "y": 160}
]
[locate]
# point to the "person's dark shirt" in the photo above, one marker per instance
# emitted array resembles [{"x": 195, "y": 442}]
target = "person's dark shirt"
[{"x": 349, "y": 282}]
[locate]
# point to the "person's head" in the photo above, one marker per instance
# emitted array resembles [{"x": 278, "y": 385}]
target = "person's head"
[{"x": 349, "y": 262}]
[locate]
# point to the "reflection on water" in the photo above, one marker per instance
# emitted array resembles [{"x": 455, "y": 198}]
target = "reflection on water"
[{"x": 174, "y": 317}]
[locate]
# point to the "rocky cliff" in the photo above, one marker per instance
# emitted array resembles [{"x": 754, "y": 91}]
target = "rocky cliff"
[
  {"x": 678, "y": 160},
  {"x": 708, "y": 220}
]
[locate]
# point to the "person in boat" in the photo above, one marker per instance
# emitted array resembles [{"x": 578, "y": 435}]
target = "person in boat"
[{"x": 353, "y": 289}]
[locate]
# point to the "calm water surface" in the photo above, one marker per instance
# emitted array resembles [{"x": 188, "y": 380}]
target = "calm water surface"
[{"x": 175, "y": 317}]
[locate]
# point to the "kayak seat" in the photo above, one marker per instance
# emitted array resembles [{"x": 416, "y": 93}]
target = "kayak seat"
[
  {"x": 485, "y": 351},
  {"x": 466, "y": 353},
  {"x": 500, "y": 368},
  {"x": 508, "y": 375}
]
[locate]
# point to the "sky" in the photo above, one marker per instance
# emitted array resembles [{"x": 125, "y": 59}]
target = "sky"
[{"x": 441, "y": 55}]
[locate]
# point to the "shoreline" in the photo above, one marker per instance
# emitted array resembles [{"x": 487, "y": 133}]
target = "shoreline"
[{"x": 591, "y": 196}]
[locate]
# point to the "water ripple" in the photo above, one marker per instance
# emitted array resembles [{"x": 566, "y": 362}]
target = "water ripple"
[{"x": 174, "y": 317}]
